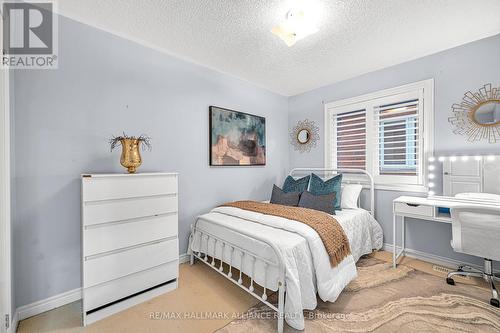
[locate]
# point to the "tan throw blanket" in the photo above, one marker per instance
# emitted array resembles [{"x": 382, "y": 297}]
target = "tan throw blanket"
[{"x": 327, "y": 227}]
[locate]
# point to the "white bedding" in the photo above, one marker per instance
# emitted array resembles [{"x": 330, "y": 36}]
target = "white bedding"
[{"x": 307, "y": 265}]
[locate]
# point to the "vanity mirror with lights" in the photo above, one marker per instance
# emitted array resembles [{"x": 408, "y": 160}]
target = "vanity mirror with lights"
[
  {"x": 465, "y": 177},
  {"x": 454, "y": 181}
]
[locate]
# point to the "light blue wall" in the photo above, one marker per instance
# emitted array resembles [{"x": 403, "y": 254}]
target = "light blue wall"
[
  {"x": 455, "y": 71},
  {"x": 106, "y": 85}
]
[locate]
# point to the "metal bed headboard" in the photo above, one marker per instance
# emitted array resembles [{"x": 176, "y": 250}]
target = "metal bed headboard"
[{"x": 371, "y": 183}]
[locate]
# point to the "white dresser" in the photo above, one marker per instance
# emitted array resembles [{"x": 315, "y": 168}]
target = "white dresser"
[{"x": 130, "y": 250}]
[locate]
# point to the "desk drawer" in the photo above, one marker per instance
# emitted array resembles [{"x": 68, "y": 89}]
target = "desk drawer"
[{"x": 413, "y": 209}]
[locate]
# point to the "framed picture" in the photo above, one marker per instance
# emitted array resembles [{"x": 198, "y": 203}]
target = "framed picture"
[{"x": 236, "y": 138}]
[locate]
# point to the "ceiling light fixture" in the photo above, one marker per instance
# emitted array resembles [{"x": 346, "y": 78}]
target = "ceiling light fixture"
[{"x": 297, "y": 25}]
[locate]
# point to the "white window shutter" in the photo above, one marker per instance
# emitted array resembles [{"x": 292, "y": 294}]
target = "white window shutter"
[
  {"x": 397, "y": 139},
  {"x": 350, "y": 139}
]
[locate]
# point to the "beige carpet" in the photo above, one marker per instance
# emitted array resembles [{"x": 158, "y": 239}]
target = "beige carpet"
[
  {"x": 383, "y": 299},
  {"x": 201, "y": 291}
]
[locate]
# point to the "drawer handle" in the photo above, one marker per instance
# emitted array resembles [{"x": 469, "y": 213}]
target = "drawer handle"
[{"x": 413, "y": 205}]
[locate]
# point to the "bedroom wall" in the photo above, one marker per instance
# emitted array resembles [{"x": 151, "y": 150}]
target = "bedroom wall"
[
  {"x": 106, "y": 85},
  {"x": 455, "y": 71}
]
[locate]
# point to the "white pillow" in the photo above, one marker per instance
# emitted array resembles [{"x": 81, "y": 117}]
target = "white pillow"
[{"x": 350, "y": 195}]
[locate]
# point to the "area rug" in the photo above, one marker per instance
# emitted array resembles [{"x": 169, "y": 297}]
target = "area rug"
[{"x": 383, "y": 299}]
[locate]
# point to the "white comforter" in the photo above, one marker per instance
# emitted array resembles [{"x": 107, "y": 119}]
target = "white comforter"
[{"x": 307, "y": 266}]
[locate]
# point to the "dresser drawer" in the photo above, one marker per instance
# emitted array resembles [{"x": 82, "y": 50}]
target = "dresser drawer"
[
  {"x": 107, "y": 188},
  {"x": 103, "y": 268},
  {"x": 108, "y": 292},
  {"x": 125, "y": 209},
  {"x": 108, "y": 237},
  {"x": 413, "y": 209}
]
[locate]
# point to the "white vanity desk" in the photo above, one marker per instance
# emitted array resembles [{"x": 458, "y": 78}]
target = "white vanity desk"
[{"x": 430, "y": 209}]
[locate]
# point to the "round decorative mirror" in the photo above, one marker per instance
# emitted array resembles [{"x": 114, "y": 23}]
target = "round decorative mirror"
[
  {"x": 478, "y": 115},
  {"x": 304, "y": 135},
  {"x": 487, "y": 113}
]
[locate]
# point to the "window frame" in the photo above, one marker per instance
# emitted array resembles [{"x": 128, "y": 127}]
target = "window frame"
[{"x": 424, "y": 91}]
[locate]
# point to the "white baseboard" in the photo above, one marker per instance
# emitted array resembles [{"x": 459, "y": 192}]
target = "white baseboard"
[
  {"x": 432, "y": 258},
  {"x": 14, "y": 323},
  {"x": 56, "y": 301},
  {"x": 48, "y": 304},
  {"x": 183, "y": 258}
]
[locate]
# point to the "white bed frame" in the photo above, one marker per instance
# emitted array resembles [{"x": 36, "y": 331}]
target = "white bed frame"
[{"x": 278, "y": 262}]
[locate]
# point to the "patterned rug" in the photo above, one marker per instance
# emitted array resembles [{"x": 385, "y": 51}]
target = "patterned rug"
[{"x": 383, "y": 299}]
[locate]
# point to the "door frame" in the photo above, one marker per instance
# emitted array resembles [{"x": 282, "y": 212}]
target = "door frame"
[{"x": 5, "y": 214}]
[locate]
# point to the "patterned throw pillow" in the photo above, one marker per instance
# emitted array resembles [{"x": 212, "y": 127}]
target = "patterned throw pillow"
[
  {"x": 332, "y": 185},
  {"x": 293, "y": 185},
  {"x": 318, "y": 202},
  {"x": 281, "y": 198}
]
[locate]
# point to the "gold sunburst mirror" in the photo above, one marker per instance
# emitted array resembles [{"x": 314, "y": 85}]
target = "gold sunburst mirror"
[
  {"x": 478, "y": 115},
  {"x": 304, "y": 135}
]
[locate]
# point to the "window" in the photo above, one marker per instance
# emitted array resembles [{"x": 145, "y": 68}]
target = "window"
[
  {"x": 388, "y": 133},
  {"x": 351, "y": 139},
  {"x": 398, "y": 137}
]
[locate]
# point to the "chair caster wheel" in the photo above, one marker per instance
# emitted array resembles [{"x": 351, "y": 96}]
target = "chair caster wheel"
[
  {"x": 495, "y": 302},
  {"x": 450, "y": 281}
]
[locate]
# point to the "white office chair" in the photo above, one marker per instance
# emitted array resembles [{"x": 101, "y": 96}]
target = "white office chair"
[{"x": 476, "y": 231}]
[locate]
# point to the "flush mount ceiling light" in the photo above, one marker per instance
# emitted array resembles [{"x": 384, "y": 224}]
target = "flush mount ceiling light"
[{"x": 297, "y": 25}]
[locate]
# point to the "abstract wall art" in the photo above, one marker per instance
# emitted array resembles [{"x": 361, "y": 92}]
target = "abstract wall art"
[{"x": 236, "y": 138}]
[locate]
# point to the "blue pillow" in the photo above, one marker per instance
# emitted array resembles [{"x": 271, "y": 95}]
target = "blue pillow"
[
  {"x": 332, "y": 185},
  {"x": 299, "y": 185}
]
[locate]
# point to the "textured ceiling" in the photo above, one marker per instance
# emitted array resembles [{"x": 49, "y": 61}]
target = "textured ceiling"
[{"x": 233, "y": 36}]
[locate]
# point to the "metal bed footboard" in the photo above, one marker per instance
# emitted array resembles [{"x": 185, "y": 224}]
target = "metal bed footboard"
[
  {"x": 203, "y": 256},
  {"x": 236, "y": 250}
]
